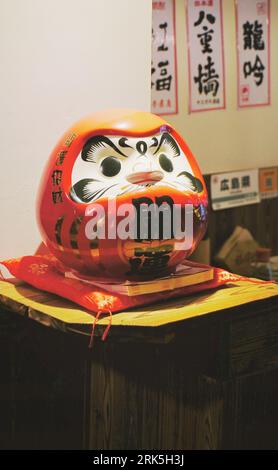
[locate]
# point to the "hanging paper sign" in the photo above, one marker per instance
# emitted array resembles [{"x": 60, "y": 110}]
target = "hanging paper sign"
[
  {"x": 234, "y": 189},
  {"x": 268, "y": 182},
  {"x": 205, "y": 55},
  {"x": 164, "y": 58},
  {"x": 253, "y": 52}
]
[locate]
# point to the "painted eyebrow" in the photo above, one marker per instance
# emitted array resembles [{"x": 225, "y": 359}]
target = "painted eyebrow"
[
  {"x": 123, "y": 142},
  {"x": 170, "y": 141},
  {"x": 94, "y": 143}
]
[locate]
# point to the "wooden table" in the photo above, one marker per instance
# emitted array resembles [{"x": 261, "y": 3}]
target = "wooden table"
[{"x": 192, "y": 373}]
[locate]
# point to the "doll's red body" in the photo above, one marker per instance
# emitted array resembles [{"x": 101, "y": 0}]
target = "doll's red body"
[{"x": 123, "y": 156}]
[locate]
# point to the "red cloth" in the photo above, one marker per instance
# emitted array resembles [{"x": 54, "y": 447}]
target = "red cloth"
[{"x": 41, "y": 271}]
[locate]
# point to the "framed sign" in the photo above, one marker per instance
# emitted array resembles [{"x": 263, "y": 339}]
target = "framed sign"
[
  {"x": 268, "y": 178},
  {"x": 205, "y": 55},
  {"x": 253, "y": 52},
  {"x": 164, "y": 92},
  {"x": 234, "y": 189}
]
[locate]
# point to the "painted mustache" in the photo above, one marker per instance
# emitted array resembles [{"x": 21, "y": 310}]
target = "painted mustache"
[{"x": 89, "y": 189}]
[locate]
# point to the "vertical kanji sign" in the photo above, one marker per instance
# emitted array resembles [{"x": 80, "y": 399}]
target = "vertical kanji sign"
[
  {"x": 205, "y": 55},
  {"x": 253, "y": 52},
  {"x": 164, "y": 59}
]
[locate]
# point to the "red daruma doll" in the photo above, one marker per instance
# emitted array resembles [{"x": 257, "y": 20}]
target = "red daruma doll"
[{"x": 108, "y": 197}]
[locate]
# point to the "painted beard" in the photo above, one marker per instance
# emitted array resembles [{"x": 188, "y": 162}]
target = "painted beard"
[{"x": 122, "y": 165}]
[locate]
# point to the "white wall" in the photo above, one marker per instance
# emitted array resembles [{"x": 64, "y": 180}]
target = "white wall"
[{"x": 60, "y": 60}]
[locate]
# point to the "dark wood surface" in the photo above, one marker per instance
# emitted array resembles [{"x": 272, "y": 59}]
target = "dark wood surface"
[
  {"x": 213, "y": 385},
  {"x": 261, "y": 219},
  {"x": 42, "y": 386}
]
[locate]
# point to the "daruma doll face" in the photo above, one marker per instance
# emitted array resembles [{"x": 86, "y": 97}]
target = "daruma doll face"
[{"x": 111, "y": 165}]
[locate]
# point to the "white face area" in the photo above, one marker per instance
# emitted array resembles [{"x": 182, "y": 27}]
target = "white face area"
[{"x": 110, "y": 166}]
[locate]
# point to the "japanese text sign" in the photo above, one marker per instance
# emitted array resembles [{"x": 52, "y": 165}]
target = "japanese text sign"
[
  {"x": 205, "y": 55},
  {"x": 234, "y": 189},
  {"x": 268, "y": 182},
  {"x": 164, "y": 60},
  {"x": 253, "y": 53}
]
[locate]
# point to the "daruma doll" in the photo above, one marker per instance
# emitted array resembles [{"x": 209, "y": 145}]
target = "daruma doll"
[{"x": 105, "y": 192}]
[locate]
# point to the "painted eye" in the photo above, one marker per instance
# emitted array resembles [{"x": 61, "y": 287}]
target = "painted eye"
[
  {"x": 110, "y": 166},
  {"x": 165, "y": 163}
]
